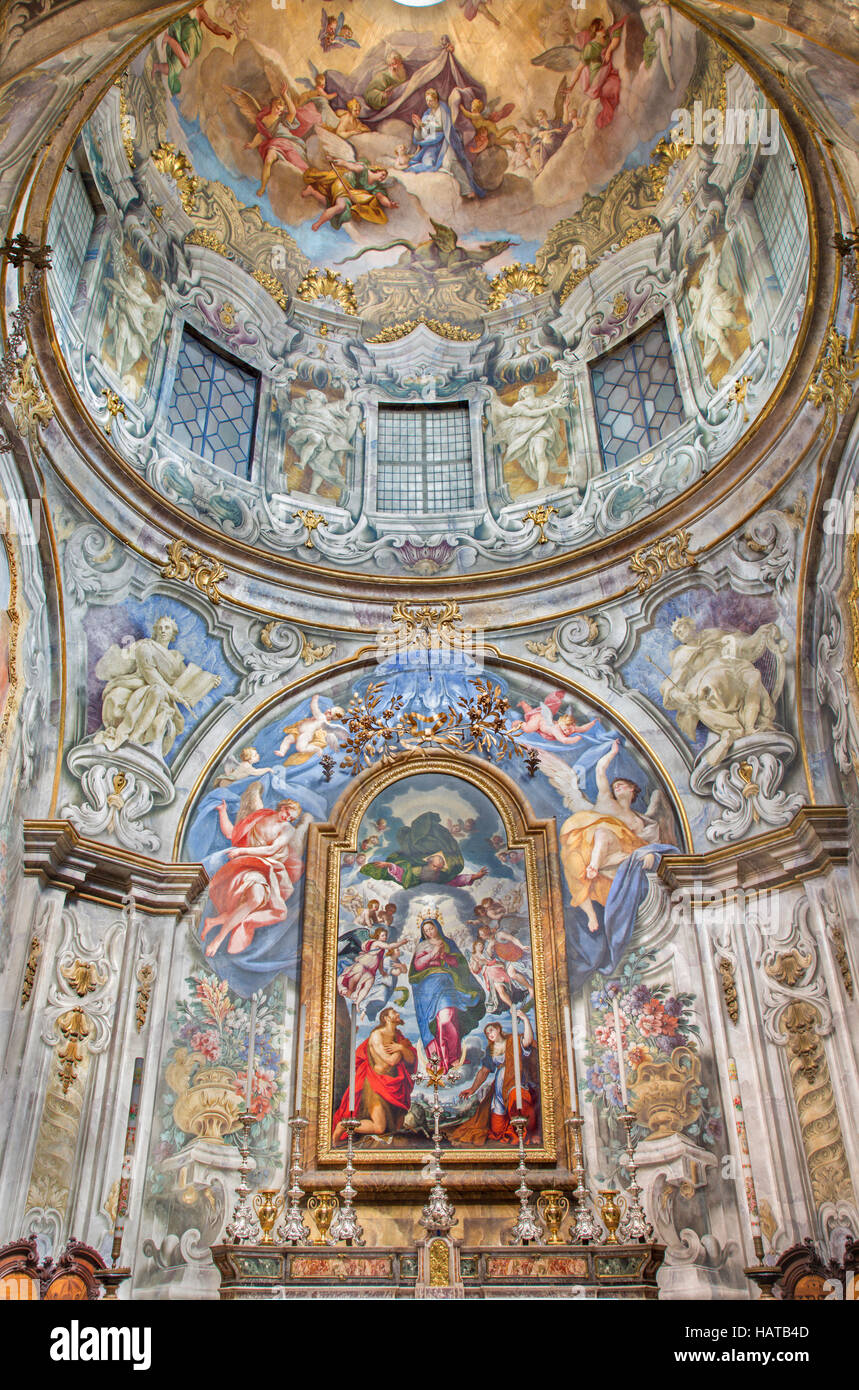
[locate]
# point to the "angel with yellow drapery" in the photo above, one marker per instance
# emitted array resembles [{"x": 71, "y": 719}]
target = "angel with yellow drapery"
[{"x": 600, "y": 835}]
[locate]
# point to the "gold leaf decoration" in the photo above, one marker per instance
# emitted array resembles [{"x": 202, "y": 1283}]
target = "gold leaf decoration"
[{"x": 327, "y": 284}]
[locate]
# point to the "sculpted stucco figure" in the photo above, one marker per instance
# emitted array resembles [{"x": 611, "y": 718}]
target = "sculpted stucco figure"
[
  {"x": 713, "y": 311},
  {"x": 146, "y": 684},
  {"x": 528, "y": 430},
  {"x": 132, "y": 322},
  {"x": 321, "y": 433},
  {"x": 715, "y": 682}
]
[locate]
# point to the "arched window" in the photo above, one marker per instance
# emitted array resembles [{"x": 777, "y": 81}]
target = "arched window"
[
  {"x": 213, "y": 406},
  {"x": 636, "y": 394},
  {"x": 424, "y": 456}
]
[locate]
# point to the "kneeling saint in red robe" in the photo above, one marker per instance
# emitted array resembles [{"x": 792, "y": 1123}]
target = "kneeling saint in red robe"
[{"x": 385, "y": 1065}]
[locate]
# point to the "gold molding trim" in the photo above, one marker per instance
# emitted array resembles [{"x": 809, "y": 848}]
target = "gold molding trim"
[
  {"x": 328, "y": 284},
  {"x": 125, "y": 119},
  {"x": 840, "y": 951},
  {"x": 836, "y": 369},
  {"x": 442, "y": 329},
  {"x": 191, "y": 567},
  {"x": 14, "y": 614},
  {"x": 145, "y": 978},
  {"x": 272, "y": 285}
]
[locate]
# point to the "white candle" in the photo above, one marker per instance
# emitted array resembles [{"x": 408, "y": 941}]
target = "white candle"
[
  {"x": 517, "y": 1070},
  {"x": 571, "y": 1066},
  {"x": 745, "y": 1159},
  {"x": 299, "y": 1064},
  {"x": 353, "y": 1031},
  {"x": 618, "y": 1039},
  {"x": 252, "y": 1038}
]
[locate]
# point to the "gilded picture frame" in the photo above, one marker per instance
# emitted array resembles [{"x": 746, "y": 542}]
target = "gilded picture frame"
[{"x": 532, "y": 842}]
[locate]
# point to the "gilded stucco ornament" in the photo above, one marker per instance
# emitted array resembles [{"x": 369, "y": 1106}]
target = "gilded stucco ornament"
[
  {"x": 191, "y": 567},
  {"x": 515, "y": 280},
  {"x": 328, "y": 284},
  {"x": 832, "y": 390},
  {"x": 442, "y": 329},
  {"x": 177, "y": 166},
  {"x": 670, "y": 553}
]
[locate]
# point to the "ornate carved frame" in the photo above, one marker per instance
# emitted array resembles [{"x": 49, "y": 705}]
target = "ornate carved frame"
[{"x": 326, "y": 844}]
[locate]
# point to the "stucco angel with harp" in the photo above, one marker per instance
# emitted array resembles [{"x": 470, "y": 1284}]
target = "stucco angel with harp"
[
  {"x": 599, "y": 836},
  {"x": 264, "y": 862},
  {"x": 283, "y": 122}
]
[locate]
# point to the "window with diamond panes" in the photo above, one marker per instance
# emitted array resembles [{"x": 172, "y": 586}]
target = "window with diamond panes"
[
  {"x": 424, "y": 459},
  {"x": 636, "y": 395},
  {"x": 780, "y": 207},
  {"x": 213, "y": 407},
  {"x": 69, "y": 230}
]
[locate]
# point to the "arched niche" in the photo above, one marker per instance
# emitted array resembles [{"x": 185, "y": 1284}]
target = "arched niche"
[{"x": 420, "y": 873}]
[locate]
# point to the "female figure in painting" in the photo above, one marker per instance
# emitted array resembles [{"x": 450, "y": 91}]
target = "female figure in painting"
[
  {"x": 490, "y": 1122},
  {"x": 264, "y": 864},
  {"x": 448, "y": 1000},
  {"x": 183, "y": 42}
]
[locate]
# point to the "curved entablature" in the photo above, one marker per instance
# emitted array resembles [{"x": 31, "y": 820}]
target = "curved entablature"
[{"x": 460, "y": 406}]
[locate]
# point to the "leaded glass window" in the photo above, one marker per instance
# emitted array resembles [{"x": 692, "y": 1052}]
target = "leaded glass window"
[
  {"x": 424, "y": 458},
  {"x": 636, "y": 394},
  {"x": 780, "y": 208},
  {"x": 212, "y": 410},
  {"x": 69, "y": 230}
]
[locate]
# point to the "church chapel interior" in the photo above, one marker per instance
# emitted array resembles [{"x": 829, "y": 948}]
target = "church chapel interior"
[{"x": 429, "y": 649}]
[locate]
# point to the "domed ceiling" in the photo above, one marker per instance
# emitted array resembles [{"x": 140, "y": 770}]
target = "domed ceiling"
[{"x": 558, "y": 230}]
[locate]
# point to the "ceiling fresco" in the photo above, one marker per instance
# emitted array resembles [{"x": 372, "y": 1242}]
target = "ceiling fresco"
[{"x": 362, "y": 134}]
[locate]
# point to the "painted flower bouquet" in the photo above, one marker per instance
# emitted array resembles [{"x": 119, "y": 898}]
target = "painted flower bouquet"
[
  {"x": 661, "y": 1053},
  {"x": 206, "y": 1067}
]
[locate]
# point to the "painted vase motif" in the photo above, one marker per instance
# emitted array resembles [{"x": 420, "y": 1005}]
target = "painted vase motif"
[
  {"x": 665, "y": 1091},
  {"x": 209, "y": 1108}
]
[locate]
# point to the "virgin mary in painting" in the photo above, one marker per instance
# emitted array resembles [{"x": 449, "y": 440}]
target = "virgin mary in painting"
[{"x": 448, "y": 1000}]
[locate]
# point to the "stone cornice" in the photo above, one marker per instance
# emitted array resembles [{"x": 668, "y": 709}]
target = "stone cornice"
[
  {"x": 107, "y": 874},
  {"x": 817, "y": 839}
]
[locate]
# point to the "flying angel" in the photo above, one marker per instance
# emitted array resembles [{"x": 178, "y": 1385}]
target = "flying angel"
[
  {"x": 283, "y": 123},
  {"x": 599, "y": 836}
]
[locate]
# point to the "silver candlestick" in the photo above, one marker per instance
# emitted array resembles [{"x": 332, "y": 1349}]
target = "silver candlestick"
[
  {"x": 346, "y": 1226},
  {"x": 635, "y": 1225},
  {"x": 293, "y": 1230},
  {"x": 439, "y": 1213},
  {"x": 585, "y": 1228},
  {"x": 528, "y": 1229},
  {"x": 243, "y": 1226}
]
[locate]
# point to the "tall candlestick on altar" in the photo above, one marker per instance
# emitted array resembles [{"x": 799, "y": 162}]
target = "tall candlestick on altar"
[
  {"x": 353, "y": 1034},
  {"x": 745, "y": 1159},
  {"x": 299, "y": 1063},
  {"x": 571, "y": 1066},
  {"x": 618, "y": 1037},
  {"x": 517, "y": 1068},
  {"x": 252, "y": 1038}
]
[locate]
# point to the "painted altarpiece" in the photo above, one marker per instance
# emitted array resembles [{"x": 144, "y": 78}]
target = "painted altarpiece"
[{"x": 529, "y": 840}]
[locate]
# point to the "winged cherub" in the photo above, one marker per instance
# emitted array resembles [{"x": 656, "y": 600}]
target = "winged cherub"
[
  {"x": 315, "y": 734},
  {"x": 600, "y": 835},
  {"x": 544, "y": 719}
]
